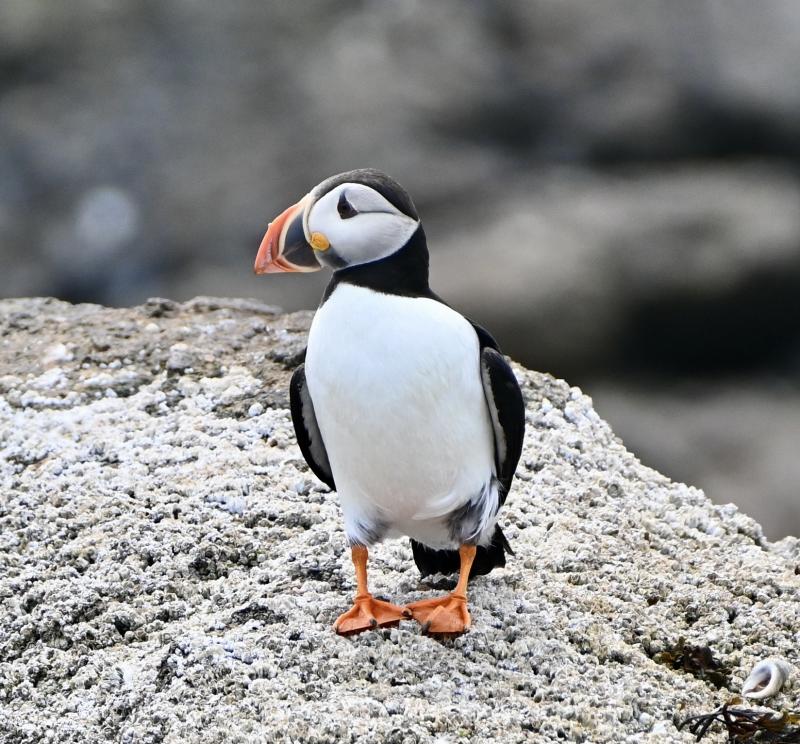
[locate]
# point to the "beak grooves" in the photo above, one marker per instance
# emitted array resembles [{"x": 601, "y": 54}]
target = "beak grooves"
[{"x": 284, "y": 247}]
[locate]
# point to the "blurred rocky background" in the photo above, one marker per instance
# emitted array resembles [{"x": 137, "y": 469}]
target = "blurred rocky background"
[{"x": 613, "y": 188}]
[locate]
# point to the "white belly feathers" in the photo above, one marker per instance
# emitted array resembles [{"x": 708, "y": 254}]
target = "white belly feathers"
[{"x": 396, "y": 388}]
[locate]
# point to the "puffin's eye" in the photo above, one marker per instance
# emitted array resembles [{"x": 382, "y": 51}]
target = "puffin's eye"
[{"x": 345, "y": 208}]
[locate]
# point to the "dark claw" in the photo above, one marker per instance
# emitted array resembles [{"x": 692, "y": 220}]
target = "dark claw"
[
  {"x": 426, "y": 627},
  {"x": 373, "y": 622}
]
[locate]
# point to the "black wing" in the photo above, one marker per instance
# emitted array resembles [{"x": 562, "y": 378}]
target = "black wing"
[
  {"x": 307, "y": 430},
  {"x": 507, "y": 410}
]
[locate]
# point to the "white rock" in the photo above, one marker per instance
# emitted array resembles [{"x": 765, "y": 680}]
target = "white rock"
[
  {"x": 171, "y": 538},
  {"x": 57, "y": 353}
]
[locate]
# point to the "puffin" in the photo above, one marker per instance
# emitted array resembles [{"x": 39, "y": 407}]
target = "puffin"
[{"x": 403, "y": 406}]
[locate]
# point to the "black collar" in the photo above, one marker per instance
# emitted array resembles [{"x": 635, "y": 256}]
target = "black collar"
[{"x": 404, "y": 273}]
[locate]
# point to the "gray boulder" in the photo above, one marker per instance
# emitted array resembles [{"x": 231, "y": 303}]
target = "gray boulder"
[{"x": 170, "y": 569}]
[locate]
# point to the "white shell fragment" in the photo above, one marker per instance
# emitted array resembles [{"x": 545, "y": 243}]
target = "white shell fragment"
[{"x": 766, "y": 679}]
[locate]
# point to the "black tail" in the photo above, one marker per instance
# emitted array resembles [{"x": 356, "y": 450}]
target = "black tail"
[{"x": 430, "y": 561}]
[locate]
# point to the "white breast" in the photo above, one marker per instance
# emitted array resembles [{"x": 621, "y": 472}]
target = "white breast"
[{"x": 397, "y": 392}]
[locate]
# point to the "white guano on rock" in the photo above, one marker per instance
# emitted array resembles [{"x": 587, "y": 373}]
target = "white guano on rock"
[{"x": 170, "y": 569}]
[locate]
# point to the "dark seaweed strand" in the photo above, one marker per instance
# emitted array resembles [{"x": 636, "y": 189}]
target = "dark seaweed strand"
[{"x": 745, "y": 725}]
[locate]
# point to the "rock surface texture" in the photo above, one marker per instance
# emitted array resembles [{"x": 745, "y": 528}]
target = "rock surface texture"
[
  {"x": 170, "y": 569},
  {"x": 612, "y": 186}
]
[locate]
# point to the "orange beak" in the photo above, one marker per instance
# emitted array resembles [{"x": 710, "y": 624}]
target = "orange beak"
[{"x": 284, "y": 247}]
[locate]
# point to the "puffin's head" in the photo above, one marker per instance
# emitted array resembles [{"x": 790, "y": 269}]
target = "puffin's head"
[{"x": 349, "y": 219}]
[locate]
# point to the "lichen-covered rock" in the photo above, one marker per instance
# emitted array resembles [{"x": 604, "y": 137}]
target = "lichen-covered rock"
[{"x": 170, "y": 569}]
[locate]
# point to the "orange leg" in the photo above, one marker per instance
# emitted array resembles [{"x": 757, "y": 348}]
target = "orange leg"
[
  {"x": 447, "y": 615},
  {"x": 367, "y": 612}
]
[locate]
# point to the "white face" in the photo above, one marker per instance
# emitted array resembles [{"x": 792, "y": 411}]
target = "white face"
[{"x": 360, "y": 225}]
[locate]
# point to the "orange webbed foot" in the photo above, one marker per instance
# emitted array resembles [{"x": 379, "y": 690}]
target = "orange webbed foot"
[
  {"x": 368, "y": 613},
  {"x": 442, "y": 615}
]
